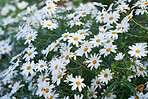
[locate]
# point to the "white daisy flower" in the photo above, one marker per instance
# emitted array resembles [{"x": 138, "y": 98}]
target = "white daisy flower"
[
  {"x": 138, "y": 50},
  {"x": 108, "y": 49},
  {"x": 30, "y": 53},
  {"x": 96, "y": 82},
  {"x": 41, "y": 66},
  {"x": 119, "y": 56},
  {"x": 91, "y": 92},
  {"x": 49, "y": 24},
  {"x": 78, "y": 96},
  {"x": 105, "y": 76},
  {"x": 77, "y": 82},
  {"x": 98, "y": 40},
  {"x": 28, "y": 68},
  {"x": 94, "y": 61},
  {"x": 16, "y": 87}
]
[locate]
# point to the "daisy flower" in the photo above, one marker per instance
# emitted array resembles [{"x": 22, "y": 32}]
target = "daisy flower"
[
  {"x": 112, "y": 34},
  {"x": 138, "y": 50},
  {"x": 105, "y": 76},
  {"x": 94, "y": 61},
  {"x": 98, "y": 40},
  {"x": 108, "y": 49},
  {"x": 142, "y": 70},
  {"x": 78, "y": 96},
  {"x": 49, "y": 24},
  {"x": 91, "y": 92},
  {"x": 96, "y": 82},
  {"x": 50, "y": 8},
  {"x": 65, "y": 36},
  {"x": 140, "y": 96},
  {"x": 119, "y": 56},
  {"x": 112, "y": 18},
  {"x": 41, "y": 66},
  {"x": 77, "y": 82},
  {"x": 30, "y": 53},
  {"x": 68, "y": 78},
  {"x": 84, "y": 12},
  {"x": 16, "y": 87},
  {"x": 42, "y": 79},
  {"x": 83, "y": 32},
  {"x": 86, "y": 47},
  {"x": 40, "y": 91},
  {"x": 48, "y": 90},
  {"x": 56, "y": 64},
  {"x": 75, "y": 38},
  {"x": 28, "y": 68},
  {"x": 5, "y": 49},
  {"x": 10, "y": 71},
  {"x": 110, "y": 96},
  {"x": 57, "y": 76}
]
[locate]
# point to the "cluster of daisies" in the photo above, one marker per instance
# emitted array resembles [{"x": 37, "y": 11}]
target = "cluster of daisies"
[{"x": 74, "y": 52}]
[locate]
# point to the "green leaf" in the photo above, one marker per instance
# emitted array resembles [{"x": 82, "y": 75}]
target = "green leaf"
[
  {"x": 109, "y": 88},
  {"x": 130, "y": 86}
]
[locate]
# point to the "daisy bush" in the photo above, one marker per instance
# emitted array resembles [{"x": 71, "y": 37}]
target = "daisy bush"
[{"x": 56, "y": 49}]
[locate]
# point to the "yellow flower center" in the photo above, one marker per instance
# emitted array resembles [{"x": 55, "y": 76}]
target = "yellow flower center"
[
  {"x": 30, "y": 37},
  {"x": 97, "y": 82},
  {"x": 137, "y": 51},
  {"x": 142, "y": 9},
  {"x": 74, "y": 53},
  {"x": 49, "y": 48},
  {"x": 9, "y": 72},
  {"x": 29, "y": 67},
  {"x": 110, "y": 18},
  {"x": 113, "y": 32},
  {"x": 95, "y": 61},
  {"x": 67, "y": 57},
  {"x": 43, "y": 79},
  {"x": 119, "y": 28},
  {"x": 51, "y": 97},
  {"x": 56, "y": 66},
  {"x": 6, "y": 80},
  {"x": 105, "y": 75},
  {"x": 78, "y": 83},
  {"x": 108, "y": 41},
  {"x": 49, "y": 8},
  {"x": 41, "y": 66},
  {"x": 146, "y": 3},
  {"x": 137, "y": 98},
  {"x": 129, "y": 17},
  {"x": 102, "y": 18},
  {"x": 35, "y": 23},
  {"x": 85, "y": 49},
  {"x": 108, "y": 95},
  {"x": 17, "y": 88},
  {"x": 46, "y": 90},
  {"x": 19, "y": 30},
  {"x": 4, "y": 48},
  {"x": 98, "y": 40},
  {"x": 108, "y": 49},
  {"x": 141, "y": 69},
  {"x": 48, "y": 24},
  {"x": 29, "y": 54},
  {"x": 52, "y": 16},
  {"x": 83, "y": 13},
  {"x": 59, "y": 76},
  {"x": 75, "y": 39},
  {"x": 65, "y": 35},
  {"x": 82, "y": 33},
  {"x": 62, "y": 56},
  {"x": 42, "y": 89},
  {"x": 91, "y": 93}
]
